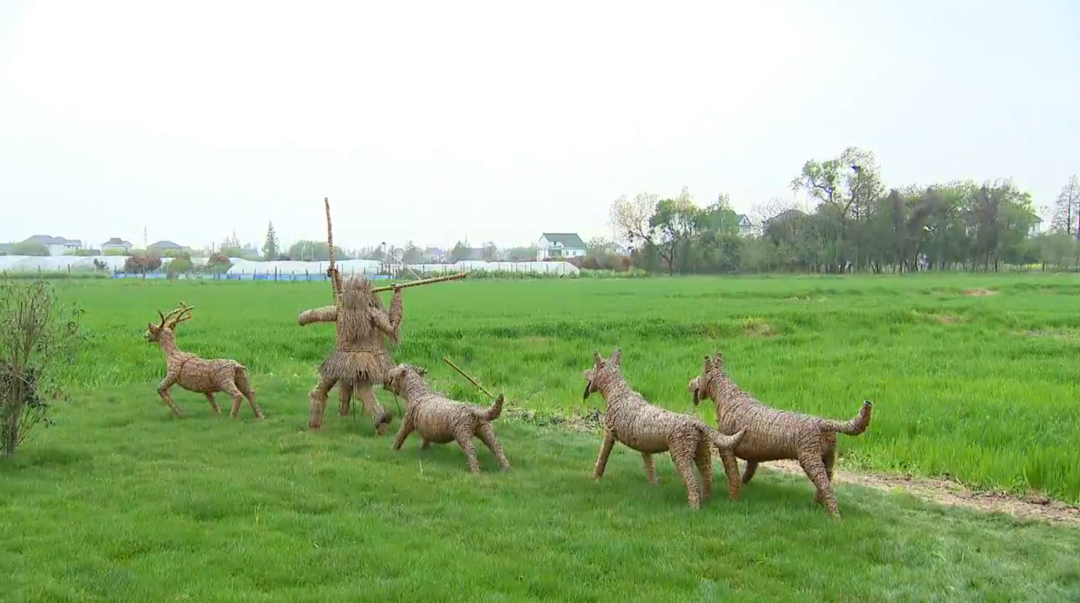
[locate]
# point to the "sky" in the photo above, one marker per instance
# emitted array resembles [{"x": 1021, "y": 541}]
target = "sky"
[{"x": 496, "y": 121}]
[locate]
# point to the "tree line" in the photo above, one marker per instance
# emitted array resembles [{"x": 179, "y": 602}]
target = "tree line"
[{"x": 856, "y": 224}]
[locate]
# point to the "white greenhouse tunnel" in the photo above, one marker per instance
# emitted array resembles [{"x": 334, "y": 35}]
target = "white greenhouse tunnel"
[{"x": 241, "y": 267}]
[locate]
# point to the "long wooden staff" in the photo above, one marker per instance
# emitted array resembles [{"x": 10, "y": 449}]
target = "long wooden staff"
[
  {"x": 426, "y": 281},
  {"x": 332, "y": 272},
  {"x": 447, "y": 360}
]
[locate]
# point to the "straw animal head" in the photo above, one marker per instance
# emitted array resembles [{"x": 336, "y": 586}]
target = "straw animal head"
[
  {"x": 168, "y": 322},
  {"x": 395, "y": 377},
  {"x": 699, "y": 385},
  {"x": 601, "y": 371},
  {"x": 356, "y": 294}
]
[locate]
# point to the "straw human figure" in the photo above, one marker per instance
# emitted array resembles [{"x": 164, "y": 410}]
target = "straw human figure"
[
  {"x": 772, "y": 434},
  {"x": 632, "y": 421},
  {"x": 359, "y": 358},
  {"x": 197, "y": 374}
]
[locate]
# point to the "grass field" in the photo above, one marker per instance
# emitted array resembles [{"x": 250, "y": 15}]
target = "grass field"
[{"x": 120, "y": 502}]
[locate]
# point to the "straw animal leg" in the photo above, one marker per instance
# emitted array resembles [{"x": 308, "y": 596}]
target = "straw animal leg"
[
  {"x": 317, "y": 399},
  {"x": 237, "y": 397},
  {"x": 163, "y": 391},
  {"x": 731, "y": 468},
  {"x": 683, "y": 456},
  {"x": 605, "y": 451},
  {"x": 815, "y": 469},
  {"x": 748, "y": 473},
  {"x": 379, "y": 417},
  {"x": 828, "y": 459},
  {"x": 703, "y": 460},
  {"x": 650, "y": 468},
  {"x": 487, "y": 436},
  {"x": 244, "y": 385},
  {"x": 425, "y": 445},
  {"x": 464, "y": 439},
  {"x": 345, "y": 391},
  {"x": 403, "y": 432},
  {"x": 213, "y": 403}
]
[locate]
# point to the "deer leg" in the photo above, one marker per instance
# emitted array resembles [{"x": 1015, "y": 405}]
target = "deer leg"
[
  {"x": 163, "y": 391},
  {"x": 317, "y": 401},
  {"x": 244, "y": 385},
  {"x": 487, "y": 436},
  {"x": 213, "y": 403},
  {"x": 379, "y": 417},
  {"x": 237, "y": 399},
  {"x": 345, "y": 394}
]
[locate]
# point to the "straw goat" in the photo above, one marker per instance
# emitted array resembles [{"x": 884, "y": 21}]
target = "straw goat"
[
  {"x": 773, "y": 434},
  {"x": 649, "y": 429},
  {"x": 439, "y": 419}
]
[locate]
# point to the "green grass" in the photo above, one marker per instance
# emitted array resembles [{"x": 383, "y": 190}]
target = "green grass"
[{"x": 119, "y": 502}]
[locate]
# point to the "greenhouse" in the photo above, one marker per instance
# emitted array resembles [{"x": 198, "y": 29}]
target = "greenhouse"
[
  {"x": 293, "y": 270},
  {"x": 242, "y": 269},
  {"x": 60, "y": 263}
]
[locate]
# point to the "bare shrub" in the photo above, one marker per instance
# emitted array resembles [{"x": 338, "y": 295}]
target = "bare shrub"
[{"x": 37, "y": 331}]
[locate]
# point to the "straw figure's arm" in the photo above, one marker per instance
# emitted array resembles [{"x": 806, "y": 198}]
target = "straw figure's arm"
[
  {"x": 390, "y": 322},
  {"x": 324, "y": 314}
]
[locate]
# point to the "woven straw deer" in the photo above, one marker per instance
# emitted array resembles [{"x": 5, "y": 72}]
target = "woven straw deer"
[
  {"x": 441, "y": 420},
  {"x": 773, "y": 434},
  {"x": 196, "y": 374},
  {"x": 649, "y": 429}
]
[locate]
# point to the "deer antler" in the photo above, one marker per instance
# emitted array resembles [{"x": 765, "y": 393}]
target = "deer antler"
[
  {"x": 181, "y": 314},
  {"x": 165, "y": 318}
]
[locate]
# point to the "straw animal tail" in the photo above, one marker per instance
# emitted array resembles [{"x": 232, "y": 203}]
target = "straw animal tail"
[
  {"x": 332, "y": 272},
  {"x": 727, "y": 442},
  {"x": 853, "y": 427},
  {"x": 491, "y": 413}
]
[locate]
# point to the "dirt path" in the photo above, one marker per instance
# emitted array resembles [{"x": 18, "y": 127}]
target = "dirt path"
[{"x": 950, "y": 493}]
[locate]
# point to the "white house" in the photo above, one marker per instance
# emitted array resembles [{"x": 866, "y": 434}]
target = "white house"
[
  {"x": 746, "y": 225},
  {"x": 56, "y": 245},
  {"x": 116, "y": 244},
  {"x": 1036, "y": 227},
  {"x": 559, "y": 245}
]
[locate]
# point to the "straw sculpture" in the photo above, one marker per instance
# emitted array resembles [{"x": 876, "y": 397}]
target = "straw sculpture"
[
  {"x": 196, "y": 374},
  {"x": 359, "y": 358},
  {"x": 648, "y": 429},
  {"x": 772, "y": 434},
  {"x": 440, "y": 420}
]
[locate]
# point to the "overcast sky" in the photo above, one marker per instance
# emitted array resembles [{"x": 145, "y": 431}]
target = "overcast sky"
[{"x": 434, "y": 121}]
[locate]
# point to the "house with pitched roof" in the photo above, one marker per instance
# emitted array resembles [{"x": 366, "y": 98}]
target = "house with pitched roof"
[
  {"x": 164, "y": 247},
  {"x": 746, "y": 225},
  {"x": 559, "y": 245},
  {"x": 56, "y": 245},
  {"x": 116, "y": 245}
]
